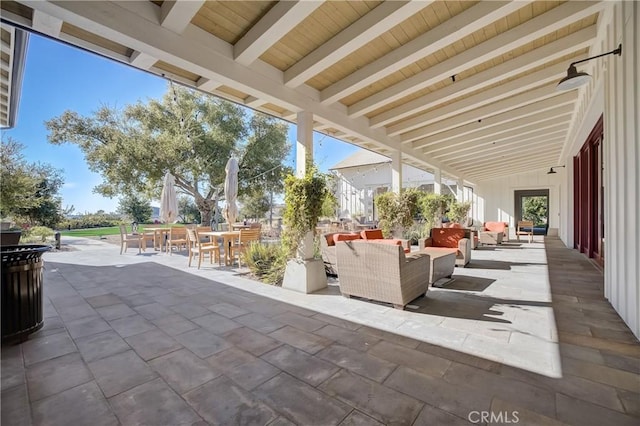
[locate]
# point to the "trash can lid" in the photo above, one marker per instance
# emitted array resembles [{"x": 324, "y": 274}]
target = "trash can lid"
[{"x": 16, "y": 253}]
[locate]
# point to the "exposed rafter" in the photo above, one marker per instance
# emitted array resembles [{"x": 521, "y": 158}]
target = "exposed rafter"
[{"x": 176, "y": 15}]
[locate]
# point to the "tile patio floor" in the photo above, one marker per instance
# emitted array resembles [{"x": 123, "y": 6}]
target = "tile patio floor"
[{"x": 141, "y": 339}]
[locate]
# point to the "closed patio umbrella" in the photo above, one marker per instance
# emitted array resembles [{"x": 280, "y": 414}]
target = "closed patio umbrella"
[
  {"x": 168, "y": 200},
  {"x": 230, "y": 210}
]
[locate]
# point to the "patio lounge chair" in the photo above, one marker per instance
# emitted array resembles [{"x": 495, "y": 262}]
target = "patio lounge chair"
[{"x": 381, "y": 272}]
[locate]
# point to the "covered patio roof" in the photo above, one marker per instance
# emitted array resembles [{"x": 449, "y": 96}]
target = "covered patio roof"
[{"x": 466, "y": 87}]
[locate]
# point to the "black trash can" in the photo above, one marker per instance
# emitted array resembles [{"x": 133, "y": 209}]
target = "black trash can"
[{"x": 22, "y": 292}]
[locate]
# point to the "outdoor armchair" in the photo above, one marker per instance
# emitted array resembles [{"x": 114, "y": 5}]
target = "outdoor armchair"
[
  {"x": 449, "y": 238},
  {"x": 381, "y": 272}
]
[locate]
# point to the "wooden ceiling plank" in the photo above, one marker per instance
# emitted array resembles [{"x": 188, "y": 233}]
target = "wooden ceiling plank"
[
  {"x": 373, "y": 24},
  {"x": 518, "y": 149},
  {"x": 453, "y": 147},
  {"x": 472, "y": 150},
  {"x": 506, "y": 110},
  {"x": 508, "y": 69},
  {"x": 278, "y": 21},
  {"x": 514, "y": 128},
  {"x": 535, "y": 28},
  {"x": 527, "y": 93},
  {"x": 430, "y": 42},
  {"x": 503, "y": 166},
  {"x": 176, "y": 15}
]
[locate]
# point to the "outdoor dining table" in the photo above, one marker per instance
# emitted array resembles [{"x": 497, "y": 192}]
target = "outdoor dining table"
[
  {"x": 227, "y": 239},
  {"x": 159, "y": 236}
]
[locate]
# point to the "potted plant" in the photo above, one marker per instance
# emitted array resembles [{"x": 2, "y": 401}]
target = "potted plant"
[
  {"x": 458, "y": 211},
  {"x": 304, "y": 199},
  {"x": 396, "y": 211}
]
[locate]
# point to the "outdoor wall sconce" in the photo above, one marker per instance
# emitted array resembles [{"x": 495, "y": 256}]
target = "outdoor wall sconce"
[
  {"x": 576, "y": 79},
  {"x": 551, "y": 171}
]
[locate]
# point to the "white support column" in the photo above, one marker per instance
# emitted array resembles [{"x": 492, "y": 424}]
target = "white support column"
[
  {"x": 460, "y": 190},
  {"x": 304, "y": 142},
  {"x": 437, "y": 182},
  {"x": 396, "y": 172}
]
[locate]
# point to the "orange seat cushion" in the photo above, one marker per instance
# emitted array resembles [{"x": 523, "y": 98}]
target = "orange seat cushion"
[
  {"x": 394, "y": 242},
  {"x": 447, "y": 237},
  {"x": 345, "y": 237},
  {"x": 372, "y": 234},
  {"x": 494, "y": 226}
]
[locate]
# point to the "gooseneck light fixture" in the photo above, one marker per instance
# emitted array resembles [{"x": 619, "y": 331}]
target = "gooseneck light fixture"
[
  {"x": 551, "y": 171},
  {"x": 577, "y": 78}
]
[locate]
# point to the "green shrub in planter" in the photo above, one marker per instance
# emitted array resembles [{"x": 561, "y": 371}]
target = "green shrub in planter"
[{"x": 266, "y": 261}]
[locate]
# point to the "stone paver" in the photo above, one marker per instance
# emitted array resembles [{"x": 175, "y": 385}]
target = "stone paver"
[
  {"x": 49, "y": 377},
  {"x": 301, "y": 402},
  {"x": 152, "y": 403},
  {"x": 222, "y": 402},
  {"x": 524, "y": 328}
]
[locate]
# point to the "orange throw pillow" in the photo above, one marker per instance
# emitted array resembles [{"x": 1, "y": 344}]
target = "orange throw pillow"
[{"x": 372, "y": 234}]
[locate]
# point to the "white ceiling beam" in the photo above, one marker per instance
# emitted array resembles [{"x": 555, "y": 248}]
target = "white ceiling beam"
[
  {"x": 478, "y": 149},
  {"x": 381, "y": 19},
  {"x": 553, "y": 20},
  {"x": 453, "y": 134},
  {"x": 279, "y": 20},
  {"x": 452, "y": 148},
  {"x": 545, "y": 54},
  {"x": 470, "y": 122},
  {"x": 253, "y": 102},
  {"x": 46, "y": 24},
  {"x": 509, "y": 109},
  {"x": 142, "y": 60},
  {"x": 207, "y": 85},
  {"x": 527, "y": 89},
  {"x": 439, "y": 37},
  {"x": 176, "y": 15}
]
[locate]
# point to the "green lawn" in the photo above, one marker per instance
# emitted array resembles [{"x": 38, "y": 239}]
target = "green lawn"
[
  {"x": 91, "y": 232},
  {"x": 97, "y": 232}
]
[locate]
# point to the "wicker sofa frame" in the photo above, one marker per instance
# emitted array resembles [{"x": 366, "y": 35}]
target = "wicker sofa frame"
[{"x": 382, "y": 272}]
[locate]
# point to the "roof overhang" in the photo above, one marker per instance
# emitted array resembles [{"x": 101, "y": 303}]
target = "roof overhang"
[
  {"x": 12, "y": 57},
  {"x": 465, "y": 87}
]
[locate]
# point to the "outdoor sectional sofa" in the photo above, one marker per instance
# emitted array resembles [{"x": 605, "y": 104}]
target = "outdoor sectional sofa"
[{"x": 382, "y": 272}]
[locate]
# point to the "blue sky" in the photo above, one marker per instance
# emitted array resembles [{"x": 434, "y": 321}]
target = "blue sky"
[{"x": 59, "y": 78}]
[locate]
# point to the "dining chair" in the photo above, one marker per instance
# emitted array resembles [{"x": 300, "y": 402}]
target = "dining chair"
[
  {"x": 196, "y": 247},
  {"x": 177, "y": 238},
  {"x": 525, "y": 227},
  {"x": 126, "y": 238},
  {"x": 246, "y": 237}
]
